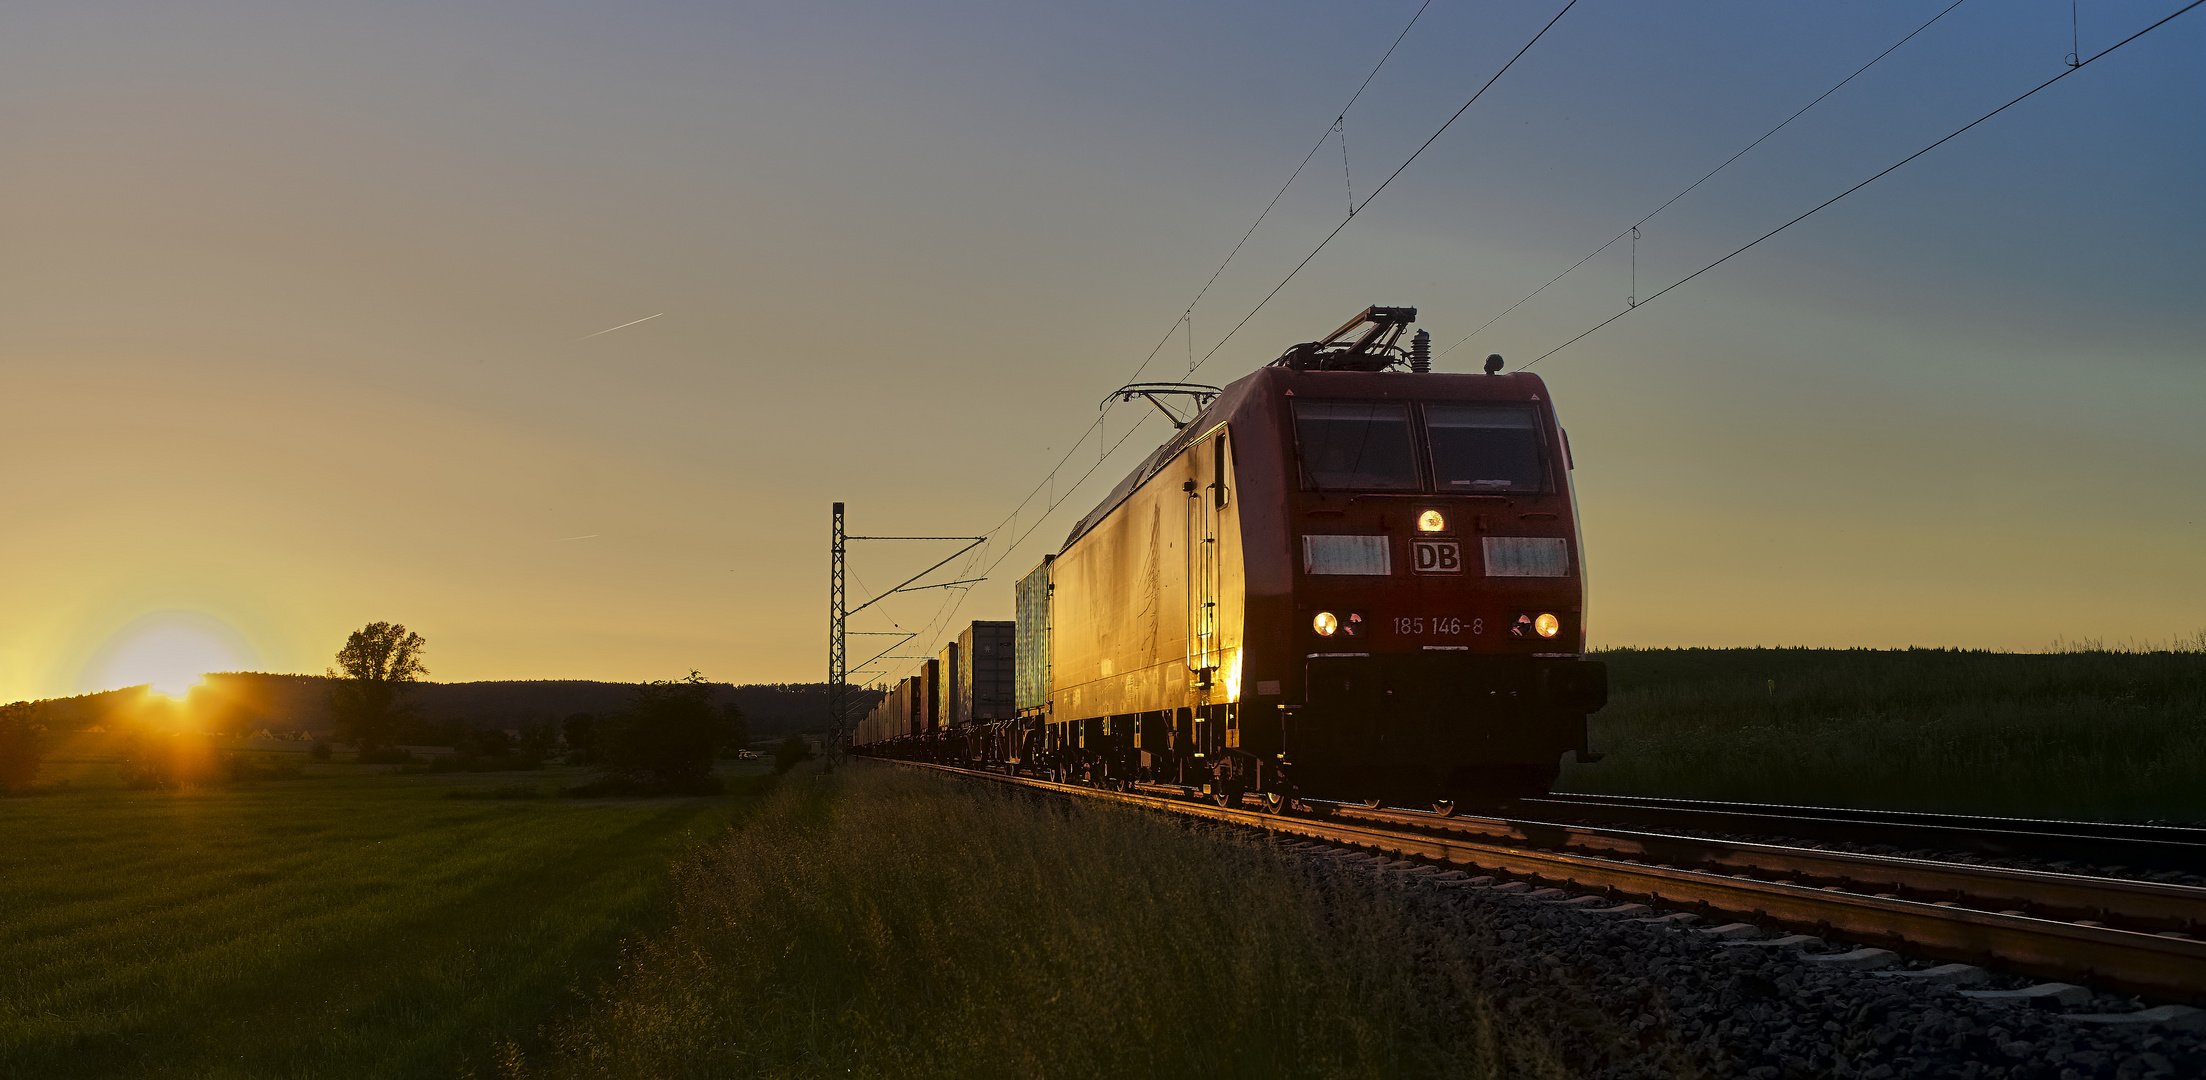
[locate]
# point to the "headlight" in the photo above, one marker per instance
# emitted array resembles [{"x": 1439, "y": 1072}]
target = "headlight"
[
  {"x": 1325, "y": 624},
  {"x": 1547, "y": 625},
  {"x": 1431, "y": 521}
]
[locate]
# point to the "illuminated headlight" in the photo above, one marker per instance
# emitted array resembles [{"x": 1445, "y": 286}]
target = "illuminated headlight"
[
  {"x": 1547, "y": 625},
  {"x": 1431, "y": 521},
  {"x": 1325, "y": 624}
]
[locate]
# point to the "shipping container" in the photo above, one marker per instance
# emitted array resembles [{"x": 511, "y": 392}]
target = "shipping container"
[
  {"x": 1033, "y": 611},
  {"x": 953, "y": 685},
  {"x": 930, "y": 696},
  {"x": 987, "y": 664}
]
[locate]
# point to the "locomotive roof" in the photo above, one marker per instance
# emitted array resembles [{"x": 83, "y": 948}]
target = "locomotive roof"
[{"x": 1516, "y": 385}]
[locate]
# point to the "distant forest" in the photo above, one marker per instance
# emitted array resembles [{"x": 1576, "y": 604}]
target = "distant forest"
[{"x": 251, "y": 701}]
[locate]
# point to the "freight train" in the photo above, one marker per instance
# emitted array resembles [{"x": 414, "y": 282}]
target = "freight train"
[{"x": 1344, "y": 578}]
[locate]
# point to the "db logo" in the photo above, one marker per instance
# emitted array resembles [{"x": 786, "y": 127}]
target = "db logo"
[{"x": 1436, "y": 556}]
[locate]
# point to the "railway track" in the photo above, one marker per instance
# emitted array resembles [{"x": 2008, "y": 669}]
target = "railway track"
[
  {"x": 2140, "y": 937},
  {"x": 2096, "y": 844}
]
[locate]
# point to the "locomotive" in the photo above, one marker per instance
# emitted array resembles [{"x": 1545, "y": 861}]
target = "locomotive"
[{"x": 1344, "y": 578}]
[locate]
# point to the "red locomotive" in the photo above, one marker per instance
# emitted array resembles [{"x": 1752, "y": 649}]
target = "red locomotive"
[{"x": 1338, "y": 580}]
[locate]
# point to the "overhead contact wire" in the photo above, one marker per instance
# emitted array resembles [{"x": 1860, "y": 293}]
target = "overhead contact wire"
[
  {"x": 2019, "y": 99},
  {"x": 1376, "y": 192},
  {"x": 1186, "y": 315},
  {"x": 1704, "y": 179}
]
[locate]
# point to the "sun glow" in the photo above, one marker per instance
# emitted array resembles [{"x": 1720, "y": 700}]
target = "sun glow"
[{"x": 170, "y": 655}]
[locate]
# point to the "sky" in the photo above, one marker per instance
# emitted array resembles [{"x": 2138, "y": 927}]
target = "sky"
[{"x": 306, "y": 309}]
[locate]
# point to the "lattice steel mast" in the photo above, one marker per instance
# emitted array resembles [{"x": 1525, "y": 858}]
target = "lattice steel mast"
[
  {"x": 838, "y": 689},
  {"x": 839, "y": 613}
]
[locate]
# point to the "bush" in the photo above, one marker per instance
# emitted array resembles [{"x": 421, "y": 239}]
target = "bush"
[
  {"x": 22, "y": 747},
  {"x": 791, "y": 751},
  {"x": 320, "y": 750},
  {"x": 666, "y": 739}
]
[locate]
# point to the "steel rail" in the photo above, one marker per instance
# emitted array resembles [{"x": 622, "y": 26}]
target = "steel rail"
[
  {"x": 2096, "y": 843},
  {"x": 2147, "y": 906},
  {"x": 2128, "y": 960}
]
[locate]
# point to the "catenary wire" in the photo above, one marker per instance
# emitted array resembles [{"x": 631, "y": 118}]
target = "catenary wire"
[
  {"x": 1376, "y": 192},
  {"x": 1185, "y": 317},
  {"x": 1865, "y": 183},
  {"x": 1329, "y": 237},
  {"x": 1704, "y": 179}
]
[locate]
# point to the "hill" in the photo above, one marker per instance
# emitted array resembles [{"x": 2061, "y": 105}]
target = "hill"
[{"x": 249, "y": 701}]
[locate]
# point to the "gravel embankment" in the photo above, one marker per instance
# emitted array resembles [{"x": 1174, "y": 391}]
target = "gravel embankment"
[{"x": 1624, "y": 998}]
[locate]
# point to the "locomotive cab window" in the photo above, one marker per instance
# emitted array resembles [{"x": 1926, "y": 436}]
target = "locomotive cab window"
[
  {"x": 1485, "y": 448},
  {"x": 1356, "y": 446}
]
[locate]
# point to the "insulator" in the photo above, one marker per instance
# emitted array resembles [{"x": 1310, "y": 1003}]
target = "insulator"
[{"x": 1420, "y": 353}]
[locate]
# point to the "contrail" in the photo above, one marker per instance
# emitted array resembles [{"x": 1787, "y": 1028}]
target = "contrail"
[
  {"x": 592, "y": 536},
  {"x": 622, "y": 326}
]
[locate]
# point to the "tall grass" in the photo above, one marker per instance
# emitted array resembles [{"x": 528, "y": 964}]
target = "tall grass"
[
  {"x": 2081, "y": 732},
  {"x": 879, "y": 923}
]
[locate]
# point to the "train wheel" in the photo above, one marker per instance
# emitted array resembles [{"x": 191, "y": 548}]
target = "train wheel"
[
  {"x": 1272, "y": 802},
  {"x": 1372, "y": 804},
  {"x": 1445, "y": 808}
]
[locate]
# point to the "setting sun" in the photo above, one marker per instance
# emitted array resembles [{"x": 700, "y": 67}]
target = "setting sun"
[{"x": 170, "y": 655}]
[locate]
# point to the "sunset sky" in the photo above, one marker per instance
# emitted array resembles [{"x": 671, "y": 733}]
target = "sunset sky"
[{"x": 301, "y": 309}]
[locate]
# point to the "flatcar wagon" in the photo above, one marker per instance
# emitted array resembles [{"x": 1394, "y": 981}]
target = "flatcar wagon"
[{"x": 1338, "y": 580}]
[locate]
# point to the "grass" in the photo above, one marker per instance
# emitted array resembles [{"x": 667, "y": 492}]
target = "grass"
[
  {"x": 2085, "y": 732},
  {"x": 882, "y": 923},
  {"x": 350, "y": 923}
]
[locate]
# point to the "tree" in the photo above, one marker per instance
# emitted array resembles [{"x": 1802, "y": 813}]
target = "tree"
[
  {"x": 666, "y": 739},
  {"x": 22, "y": 746},
  {"x": 735, "y": 731},
  {"x": 377, "y": 661},
  {"x": 581, "y": 731}
]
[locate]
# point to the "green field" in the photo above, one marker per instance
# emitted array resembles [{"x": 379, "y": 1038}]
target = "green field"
[
  {"x": 350, "y": 923},
  {"x": 2089, "y": 732}
]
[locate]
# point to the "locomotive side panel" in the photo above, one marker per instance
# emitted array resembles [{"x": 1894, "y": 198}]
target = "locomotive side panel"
[{"x": 1120, "y": 610}]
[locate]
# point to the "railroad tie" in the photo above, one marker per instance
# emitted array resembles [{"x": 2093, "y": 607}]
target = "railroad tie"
[
  {"x": 1578, "y": 901},
  {"x": 1623, "y": 910},
  {"x": 1943, "y": 975},
  {"x": 1737, "y": 931},
  {"x": 1857, "y": 960},
  {"x": 2172, "y": 1017},
  {"x": 2043, "y": 995},
  {"x": 1789, "y": 941}
]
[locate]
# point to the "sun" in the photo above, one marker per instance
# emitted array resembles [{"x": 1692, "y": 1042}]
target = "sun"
[{"x": 169, "y": 653}]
